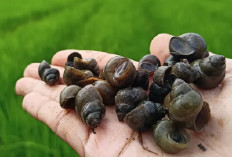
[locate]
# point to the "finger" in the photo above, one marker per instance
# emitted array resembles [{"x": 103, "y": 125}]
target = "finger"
[
  {"x": 160, "y": 46},
  {"x": 65, "y": 123},
  {"x": 27, "y": 85},
  {"x": 102, "y": 58},
  {"x": 32, "y": 71}
]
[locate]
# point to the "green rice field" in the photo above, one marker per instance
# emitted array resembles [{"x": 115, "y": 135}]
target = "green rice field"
[{"x": 31, "y": 31}]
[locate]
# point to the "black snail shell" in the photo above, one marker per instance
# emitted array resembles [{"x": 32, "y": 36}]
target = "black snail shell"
[
  {"x": 169, "y": 137},
  {"x": 189, "y": 46},
  {"x": 86, "y": 64},
  {"x": 49, "y": 75},
  {"x": 120, "y": 72},
  {"x": 185, "y": 71},
  {"x": 106, "y": 91},
  {"x": 157, "y": 93},
  {"x": 212, "y": 71},
  {"x": 73, "y": 76},
  {"x": 141, "y": 79},
  {"x": 144, "y": 115},
  {"x": 184, "y": 105},
  {"x": 89, "y": 105},
  {"x": 70, "y": 58},
  {"x": 127, "y": 99},
  {"x": 149, "y": 63},
  {"x": 68, "y": 95}
]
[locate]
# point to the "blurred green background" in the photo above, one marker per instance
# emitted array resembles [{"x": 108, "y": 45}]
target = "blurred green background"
[{"x": 31, "y": 31}]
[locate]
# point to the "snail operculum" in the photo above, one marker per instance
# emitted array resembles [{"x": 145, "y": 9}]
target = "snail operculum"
[
  {"x": 86, "y": 64},
  {"x": 149, "y": 63}
]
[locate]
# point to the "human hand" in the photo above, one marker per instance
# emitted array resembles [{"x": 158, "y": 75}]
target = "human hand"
[{"x": 114, "y": 138}]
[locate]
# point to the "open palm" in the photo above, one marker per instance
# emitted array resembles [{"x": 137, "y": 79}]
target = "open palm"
[{"x": 114, "y": 138}]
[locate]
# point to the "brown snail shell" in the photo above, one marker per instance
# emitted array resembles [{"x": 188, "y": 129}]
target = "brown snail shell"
[
  {"x": 106, "y": 91},
  {"x": 67, "y": 96},
  {"x": 73, "y": 76},
  {"x": 189, "y": 46},
  {"x": 212, "y": 71},
  {"x": 49, "y": 75},
  {"x": 149, "y": 63},
  {"x": 120, "y": 72},
  {"x": 86, "y": 64},
  {"x": 70, "y": 58},
  {"x": 89, "y": 105},
  {"x": 144, "y": 115},
  {"x": 185, "y": 71},
  {"x": 163, "y": 77},
  {"x": 127, "y": 99}
]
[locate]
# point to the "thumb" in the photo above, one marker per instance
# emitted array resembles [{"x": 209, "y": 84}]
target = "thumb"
[{"x": 160, "y": 46}]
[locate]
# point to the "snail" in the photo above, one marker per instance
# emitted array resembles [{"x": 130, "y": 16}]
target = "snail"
[
  {"x": 169, "y": 137},
  {"x": 189, "y": 46},
  {"x": 185, "y": 71},
  {"x": 212, "y": 71},
  {"x": 141, "y": 79},
  {"x": 157, "y": 93},
  {"x": 86, "y": 64},
  {"x": 73, "y": 76},
  {"x": 149, "y": 63},
  {"x": 120, "y": 72},
  {"x": 127, "y": 99},
  {"x": 106, "y": 91},
  {"x": 49, "y": 75},
  {"x": 144, "y": 115},
  {"x": 185, "y": 106},
  {"x": 70, "y": 58},
  {"x": 67, "y": 96},
  {"x": 89, "y": 105}
]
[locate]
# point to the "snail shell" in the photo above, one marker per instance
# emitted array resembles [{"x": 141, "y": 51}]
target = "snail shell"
[
  {"x": 68, "y": 95},
  {"x": 89, "y": 105},
  {"x": 144, "y": 115},
  {"x": 86, "y": 64},
  {"x": 49, "y": 75},
  {"x": 185, "y": 106},
  {"x": 169, "y": 137},
  {"x": 73, "y": 76},
  {"x": 120, "y": 72},
  {"x": 212, "y": 71},
  {"x": 170, "y": 61},
  {"x": 149, "y": 63},
  {"x": 189, "y": 46},
  {"x": 127, "y": 99},
  {"x": 157, "y": 93},
  {"x": 70, "y": 58},
  {"x": 141, "y": 79}
]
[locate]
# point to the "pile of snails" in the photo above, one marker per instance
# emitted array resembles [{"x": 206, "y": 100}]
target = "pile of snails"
[{"x": 121, "y": 83}]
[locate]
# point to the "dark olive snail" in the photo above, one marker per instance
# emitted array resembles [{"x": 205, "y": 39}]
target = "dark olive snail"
[
  {"x": 70, "y": 58},
  {"x": 169, "y": 137},
  {"x": 149, "y": 63},
  {"x": 127, "y": 99},
  {"x": 141, "y": 79},
  {"x": 185, "y": 71},
  {"x": 144, "y": 115},
  {"x": 189, "y": 46},
  {"x": 120, "y": 72},
  {"x": 86, "y": 64},
  {"x": 184, "y": 105},
  {"x": 106, "y": 91},
  {"x": 73, "y": 76},
  {"x": 49, "y": 75},
  {"x": 89, "y": 105},
  {"x": 68, "y": 95},
  {"x": 212, "y": 71}
]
